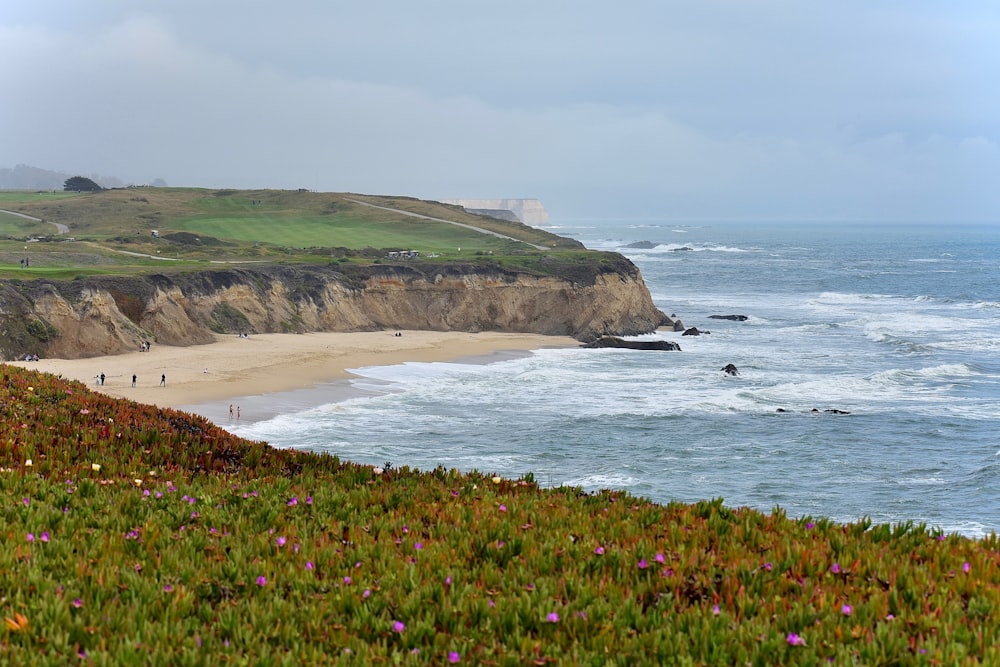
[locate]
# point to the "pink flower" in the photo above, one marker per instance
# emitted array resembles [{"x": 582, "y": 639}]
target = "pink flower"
[
  {"x": 77, "y": 603},
  {"x": 794, "y": 640},
  {"x": 454, "y": 657},
  {"x": 309, "y": 565},
  {"x": 31, "y": 538},
  {"x": 366, "y": 593},
  {"x": 398, "y": 626},
  {"x": 503, "y": 508},
  {"x": 659, "y": 558},
  {"x": 280, "y": 541},
  {"x": 715, "y": 610},
  {"x": 347, "y": 581},
  {"x": 599, "y": 551},
  {"x": 767, "y": 566},
  {"x": 553, "y": 617},
  {"x": 966, "y": 567},
  {"x": 846, "y": 610},
  {"x": 418, "y": 546},
  {"x": 293, "y": 502},
  {"x": 261, "y": 580},
  {"x": 836, "y": 568},
  {"x": 167, "y": 588},
  {"x": 643, "y": 564}
]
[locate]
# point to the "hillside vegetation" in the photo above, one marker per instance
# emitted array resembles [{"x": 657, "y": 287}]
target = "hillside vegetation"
[
  {"x": 113, "y": 230},
  {"x": 141, "y": 536}
]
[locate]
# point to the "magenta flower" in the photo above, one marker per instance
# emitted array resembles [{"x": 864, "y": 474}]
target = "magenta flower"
[
  {"x": 659, "y": 558},
  {"x": 599, "y": 551},
  {"x": 309, "y": 565},
  {"x": 167, "y": 588},
  {"x": 45, "y": 538},
  {"x": 398, "y": 626},
  {"x": 31, "y": 538},
  {"x": 966, "y": 567},
  {"x": 261, "y": 580},
  {"x": 418, "y": 546},
  {"x": 553, "y": 617},
  {"x": 767, "y": 566},
  {"x": 293, "y": 502},
  {"x": 280, "y": 541},
  {"x": 503, "y": 508},
  {"x": 309, "y": 500},
  {"x": 27, "y": 502},
  {"x": 366, "y": 593},
  {"x": 77, "y": 603},
  {"x": 794, "y": 640},
  {"x": 643, "y": 564},
  {"x": 836, "y": 568},
  {"x": 347, "y": 581},
  {"x": 846, "y": 610},
  {"x": 715, "y": 610},
  {"x": 454, "y": 657}
]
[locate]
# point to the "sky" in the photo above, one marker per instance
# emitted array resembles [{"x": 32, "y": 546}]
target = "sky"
[{"x": 777, "y": 110}]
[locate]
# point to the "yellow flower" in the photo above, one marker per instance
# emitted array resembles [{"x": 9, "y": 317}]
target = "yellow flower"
[
  {"x": 496, "y": 480},
  {"x": 27, "y": 463},
  {"x": 138, "y": 482},
  {"x": 96, "y": 467}
]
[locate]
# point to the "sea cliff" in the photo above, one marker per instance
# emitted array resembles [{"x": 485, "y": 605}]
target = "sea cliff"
[{"x": 111, "y": 315}]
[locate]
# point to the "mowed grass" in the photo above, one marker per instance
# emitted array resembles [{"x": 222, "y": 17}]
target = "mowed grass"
[{"x": 330, "y": 231}]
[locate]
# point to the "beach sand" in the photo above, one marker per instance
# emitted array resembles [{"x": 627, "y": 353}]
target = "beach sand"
[{"x": 233, "y": 367}]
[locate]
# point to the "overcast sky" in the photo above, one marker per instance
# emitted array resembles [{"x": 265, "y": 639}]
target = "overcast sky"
[{"x": 699, "y": 110}]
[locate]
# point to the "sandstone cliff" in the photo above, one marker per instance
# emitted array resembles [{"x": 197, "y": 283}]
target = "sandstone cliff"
[{"x": 110, "y": 315}]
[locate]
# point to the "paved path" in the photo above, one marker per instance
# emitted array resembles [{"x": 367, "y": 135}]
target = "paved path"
[
  {"x": 450, "y": 222},
  {"x": 63, "y": 229}
]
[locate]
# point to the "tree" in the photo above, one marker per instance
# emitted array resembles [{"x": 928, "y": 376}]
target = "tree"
[{"x": 81, "y": 184}]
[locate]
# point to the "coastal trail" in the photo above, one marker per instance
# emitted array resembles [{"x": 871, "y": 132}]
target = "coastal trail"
[{"x": 450, "y": 222}]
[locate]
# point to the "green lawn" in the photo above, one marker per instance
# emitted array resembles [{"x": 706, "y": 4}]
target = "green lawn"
[{"x": 336, "y": 231}]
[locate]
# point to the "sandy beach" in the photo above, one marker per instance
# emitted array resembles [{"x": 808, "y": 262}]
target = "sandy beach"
[{"x": 267, "y": 363}]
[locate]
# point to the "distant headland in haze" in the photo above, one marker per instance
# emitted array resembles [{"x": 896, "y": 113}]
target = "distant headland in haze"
[{"x": 528, "y": 211}]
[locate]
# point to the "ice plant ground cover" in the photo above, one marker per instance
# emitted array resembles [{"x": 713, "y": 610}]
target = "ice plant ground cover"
[{"x": 134, "y": 535}]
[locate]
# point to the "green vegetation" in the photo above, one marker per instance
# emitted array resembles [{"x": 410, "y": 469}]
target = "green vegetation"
[
  {"x": 134, "y": 230},
  {"x": 142, "y": 536}
]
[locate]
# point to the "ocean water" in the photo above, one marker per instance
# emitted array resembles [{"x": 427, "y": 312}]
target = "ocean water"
[{"x": 899, "y": 325}]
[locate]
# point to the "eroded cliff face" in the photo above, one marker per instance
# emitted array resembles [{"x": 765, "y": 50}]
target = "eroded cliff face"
[{"x": 113, "y": 315}]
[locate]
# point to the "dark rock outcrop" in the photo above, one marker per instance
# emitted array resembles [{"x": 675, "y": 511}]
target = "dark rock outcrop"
[
  {"x": 730, "y": 369},
  {"x": 734, "y": 318},
  {"x": 694, "y": 331},
  {"x": 614, "y": 341}
]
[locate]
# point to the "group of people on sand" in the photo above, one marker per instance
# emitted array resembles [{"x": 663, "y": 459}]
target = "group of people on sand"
[
  {"x": 144, "y": 346},
  {"x": 31, "y": 357},
  {"x": 135, "y": 378}
]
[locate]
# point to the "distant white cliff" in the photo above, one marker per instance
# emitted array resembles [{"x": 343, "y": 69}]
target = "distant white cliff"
[{"x": 528, "y": 211}]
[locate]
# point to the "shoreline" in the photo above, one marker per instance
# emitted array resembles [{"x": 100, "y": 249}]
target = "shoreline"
[{"x": 303, "y": 365}]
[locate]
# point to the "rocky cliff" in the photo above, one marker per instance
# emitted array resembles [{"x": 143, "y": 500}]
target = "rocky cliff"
[{"x": 111, "y": 315}]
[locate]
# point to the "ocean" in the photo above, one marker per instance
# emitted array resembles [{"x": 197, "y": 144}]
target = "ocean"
[{"x": 897, "y": 325}]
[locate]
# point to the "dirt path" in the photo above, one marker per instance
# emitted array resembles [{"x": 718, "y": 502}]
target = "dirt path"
[
  {"x": 450, "y": 222},
  {"x": 63, "y": 229}
]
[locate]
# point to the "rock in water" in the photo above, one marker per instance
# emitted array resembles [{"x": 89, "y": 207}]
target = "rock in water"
[{"x": 614, "y": 341}]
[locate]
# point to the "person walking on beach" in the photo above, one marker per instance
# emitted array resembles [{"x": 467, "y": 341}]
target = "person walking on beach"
[
  {"x": 230, "y": 410},
  {"x": 133, "y": 379},
  {"x": 102, "y": 379},
  {"x": 163, "y": 380}
]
